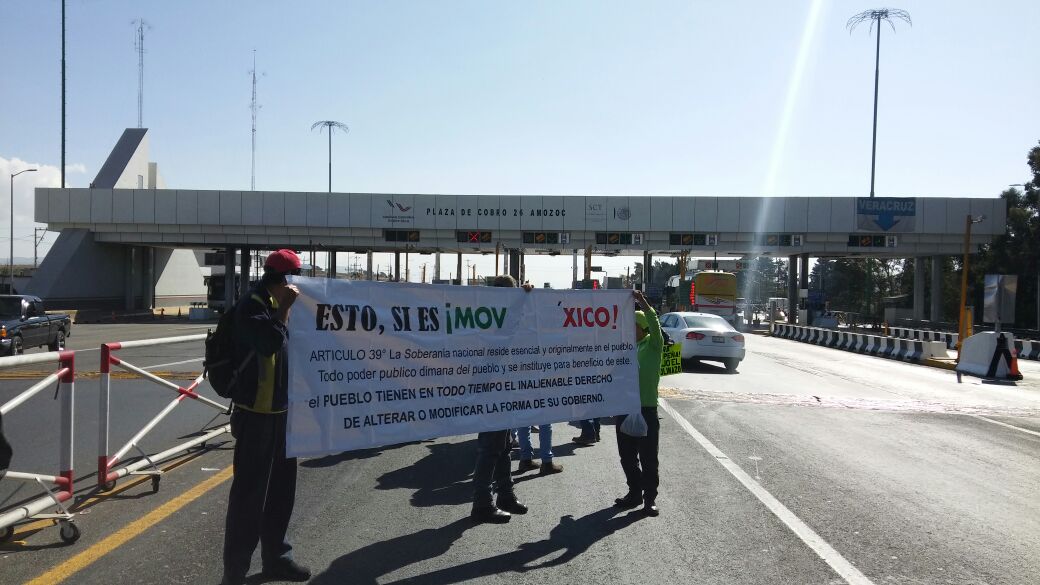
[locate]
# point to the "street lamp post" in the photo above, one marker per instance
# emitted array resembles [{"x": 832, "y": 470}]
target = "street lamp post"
[
  {"x": 10, "y": 267},
  {"x": 962, "y": 324}
]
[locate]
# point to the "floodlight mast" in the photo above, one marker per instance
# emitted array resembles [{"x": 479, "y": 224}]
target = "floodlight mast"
[{"x": 876, "y": 16}]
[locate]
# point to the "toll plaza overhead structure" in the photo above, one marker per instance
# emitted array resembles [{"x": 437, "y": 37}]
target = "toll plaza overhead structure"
[{"x": 792, "y": 227}]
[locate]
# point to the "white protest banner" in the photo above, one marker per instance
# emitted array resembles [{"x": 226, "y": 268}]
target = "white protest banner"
[{"x": 381, "y": 363}]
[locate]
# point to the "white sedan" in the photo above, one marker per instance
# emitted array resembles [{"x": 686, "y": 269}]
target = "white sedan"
[{"x": 705, "y": 337}]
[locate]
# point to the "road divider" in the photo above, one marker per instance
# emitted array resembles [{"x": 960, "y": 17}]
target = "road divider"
[
  {"x": 907, "y": 350},
  {"x": 950, "y": 339}
]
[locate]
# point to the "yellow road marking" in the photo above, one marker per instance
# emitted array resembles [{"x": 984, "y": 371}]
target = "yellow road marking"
[
  {"x": 131, "y": 530},
  {"x": 116, "y": 375}
]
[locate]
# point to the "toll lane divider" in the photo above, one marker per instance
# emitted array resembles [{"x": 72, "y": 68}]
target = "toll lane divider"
[
  {"x": 907, "y": 350},
  {"x": 1027, "y": 349},
  {"x": 56, "y": 489},
  {"x": 108, "y": 472},
  {"x": 950, "y": 339}
]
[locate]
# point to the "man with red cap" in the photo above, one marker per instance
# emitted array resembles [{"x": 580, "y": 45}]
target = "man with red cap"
[{"x": 264, "y": 487}]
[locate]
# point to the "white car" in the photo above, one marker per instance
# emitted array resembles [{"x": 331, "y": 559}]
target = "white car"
[{"x": 705, "y": 337}]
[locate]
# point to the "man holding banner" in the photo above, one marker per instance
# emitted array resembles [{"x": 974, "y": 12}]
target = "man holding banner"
[
  {"x": 493, "y": 465},
  {"x": 639, "y": 454},
  {"x": 263, "y": 490}
]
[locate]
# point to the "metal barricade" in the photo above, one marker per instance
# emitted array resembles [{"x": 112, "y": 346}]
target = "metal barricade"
[
  {"x": 57, "y": 489},
  {"x": 146, "y": 465}
]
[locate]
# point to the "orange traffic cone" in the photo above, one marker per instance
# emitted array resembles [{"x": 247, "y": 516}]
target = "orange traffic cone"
[{"x": 1013, "y": 373}]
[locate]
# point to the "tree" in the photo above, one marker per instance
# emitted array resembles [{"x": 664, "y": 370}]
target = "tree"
[{"x": 1018, "y": 250}]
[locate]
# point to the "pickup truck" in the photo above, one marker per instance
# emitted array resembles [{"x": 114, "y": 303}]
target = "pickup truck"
[{"x": 24, "y": 324}]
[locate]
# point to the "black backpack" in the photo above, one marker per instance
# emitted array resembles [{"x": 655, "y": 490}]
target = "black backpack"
[{"x": 219, "y": 365}]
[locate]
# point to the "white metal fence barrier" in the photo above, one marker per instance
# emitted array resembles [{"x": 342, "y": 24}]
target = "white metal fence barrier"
[
  {"x": 56, "y": 489},
  {"x": 108, "y": 472}
]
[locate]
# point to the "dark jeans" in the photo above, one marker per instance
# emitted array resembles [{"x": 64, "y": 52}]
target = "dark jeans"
[
  {"x": 492, "y": 465},
  {"x": 590, "y": 428},
  {"x": 262, "y": 493},
  {"x": 639, "y": 455}
]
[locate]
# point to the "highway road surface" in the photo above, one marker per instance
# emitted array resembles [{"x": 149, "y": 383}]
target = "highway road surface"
[{"x": 810, "y": 465}]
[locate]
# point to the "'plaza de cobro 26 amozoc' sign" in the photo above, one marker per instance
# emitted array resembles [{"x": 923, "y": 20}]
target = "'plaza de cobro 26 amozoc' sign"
[{"x": 377, "y": 364}]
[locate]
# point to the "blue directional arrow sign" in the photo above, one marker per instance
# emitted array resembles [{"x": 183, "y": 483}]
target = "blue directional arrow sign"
[{"x": 886, "y": 214}]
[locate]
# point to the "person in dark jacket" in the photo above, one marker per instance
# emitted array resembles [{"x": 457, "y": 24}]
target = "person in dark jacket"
[{"x": 264, "y": 487}]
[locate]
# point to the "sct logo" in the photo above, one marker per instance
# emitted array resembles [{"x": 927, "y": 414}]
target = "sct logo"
[{"x": 404, "y": 209}]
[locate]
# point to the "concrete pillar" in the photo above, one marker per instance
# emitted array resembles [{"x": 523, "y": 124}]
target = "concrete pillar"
[
  {"x": 523, "y": 268},
  {"x": 514, "y": 264},
  {"x": 937, "y": 273},
  {"x": 458, "y": 268},
  {"x": 919, "y": 276},
  {"x": 436, "y": 266},
  {"x": 130, "y": 278},
  {"x": 229, "y": 277},
  {"x": 792, "y": 289},
  {"x": 803, "y": 292},
  {"x": 574, "y": 268},
  {"x": 648, "y": 275},
  {"x": 369, "y": 265},
  {"x": 149, "y": 278},
  {"x": 397, "y": 267},
  {"x": 245, "y": 263},
  {"x": 333, "y": 269}
]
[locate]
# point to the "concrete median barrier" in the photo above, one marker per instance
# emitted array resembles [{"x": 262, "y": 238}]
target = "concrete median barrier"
[
  {"x": 987, "y": 355},
  {"x": 908, "y": 350}
]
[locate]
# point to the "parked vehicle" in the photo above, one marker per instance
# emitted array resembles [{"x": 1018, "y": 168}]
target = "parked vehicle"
[
  {"x": 705, "y": 337},
  {"x": 24, "y": 324}
]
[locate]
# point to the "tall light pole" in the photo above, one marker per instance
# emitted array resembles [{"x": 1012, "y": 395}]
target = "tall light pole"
[
  {"x": 876, "y": 16},
  {"x": 332, "y": 126},
  {"x": 10, "y": 267}
]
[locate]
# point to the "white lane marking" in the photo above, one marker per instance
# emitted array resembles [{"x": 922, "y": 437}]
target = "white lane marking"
[
  {"x": 193, "y": 360},
  {"x": 997, "y": 422},
  {"x": 833, "y": 558}
]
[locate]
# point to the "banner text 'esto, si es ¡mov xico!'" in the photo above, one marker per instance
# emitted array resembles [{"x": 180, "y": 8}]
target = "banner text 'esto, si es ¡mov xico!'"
[{"x": 378, "y": 363}]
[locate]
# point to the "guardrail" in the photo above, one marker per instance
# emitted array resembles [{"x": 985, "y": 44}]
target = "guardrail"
[
  {"x": 908, "y": 350},
  {"x": 950, "y": 339},
  {"x": 108, "y": 474},
  {"x": 61, "y": 491}
]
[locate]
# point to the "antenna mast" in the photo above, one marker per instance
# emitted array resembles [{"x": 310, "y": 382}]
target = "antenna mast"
[
  {"x": 139, "y": 47},
  {"x": 253, "y": 107}
]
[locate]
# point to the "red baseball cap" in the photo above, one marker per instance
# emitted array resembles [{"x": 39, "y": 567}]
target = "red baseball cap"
[{"x": 284, "y": 261}]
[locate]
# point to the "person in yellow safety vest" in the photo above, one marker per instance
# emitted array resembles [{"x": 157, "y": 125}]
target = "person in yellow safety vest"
[{"x": 264, "y": 487}]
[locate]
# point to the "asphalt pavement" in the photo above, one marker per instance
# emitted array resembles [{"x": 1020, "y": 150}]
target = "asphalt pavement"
[{"x": 809, "y": 465}]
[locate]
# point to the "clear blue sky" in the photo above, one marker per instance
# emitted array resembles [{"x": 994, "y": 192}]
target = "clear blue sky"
[{"x": 537, "y": 97}]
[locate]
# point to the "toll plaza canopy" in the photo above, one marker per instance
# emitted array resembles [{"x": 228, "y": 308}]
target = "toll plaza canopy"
[{"x": 740, "y": 226}]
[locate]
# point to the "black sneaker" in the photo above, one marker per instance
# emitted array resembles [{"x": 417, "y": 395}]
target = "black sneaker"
[
  {"x": 650, "y": 508},
  {"x": 511, "y": 504},
  {"x": 489, "y": 514},
  {"x": 631, "y": 500},
  {"x": 526, "y": 465},
  {"x": 583, "y": 440},
  {"x": 287, "y": 570}
]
